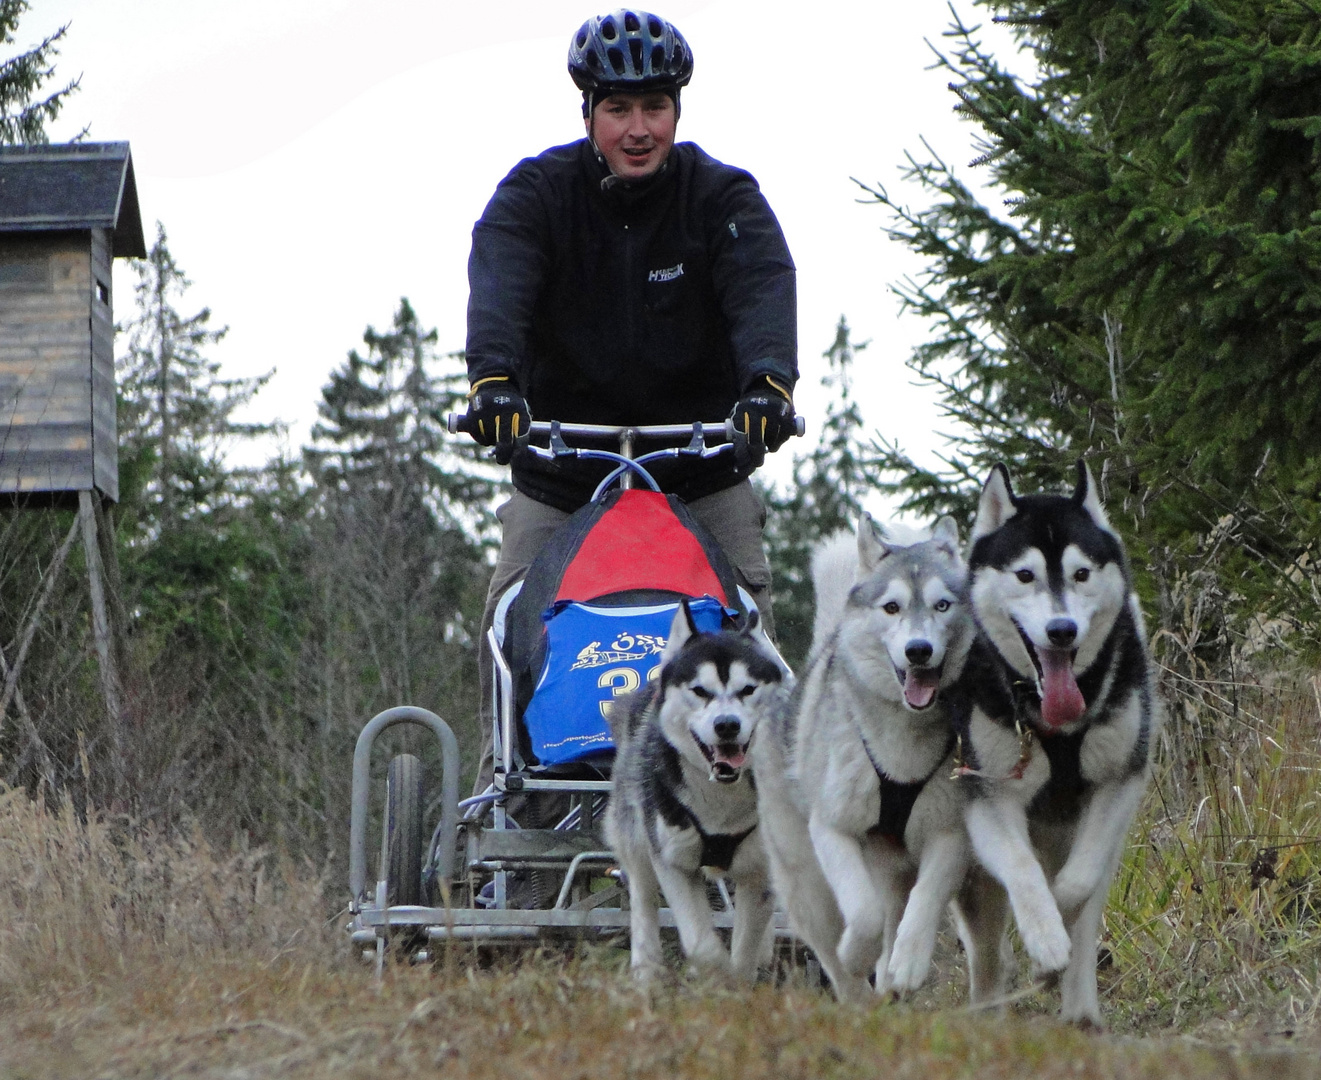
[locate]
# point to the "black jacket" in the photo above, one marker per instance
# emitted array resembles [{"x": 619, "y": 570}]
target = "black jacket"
[{"x": 639, "y": 304}]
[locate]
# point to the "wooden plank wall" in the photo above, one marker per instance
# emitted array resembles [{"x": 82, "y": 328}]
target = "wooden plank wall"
[
  {"x": 105, "y": 432},
  {"x": 46, "y": 363}
]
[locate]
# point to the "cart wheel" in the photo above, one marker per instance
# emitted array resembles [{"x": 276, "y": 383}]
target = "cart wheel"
[{"x": 402, "y": 839}]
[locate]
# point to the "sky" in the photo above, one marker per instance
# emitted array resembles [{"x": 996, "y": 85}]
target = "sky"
[{"x": 313, "y": 161}]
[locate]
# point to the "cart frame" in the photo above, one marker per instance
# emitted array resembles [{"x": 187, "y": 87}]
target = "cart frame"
[{"x": 461, "y": 845}]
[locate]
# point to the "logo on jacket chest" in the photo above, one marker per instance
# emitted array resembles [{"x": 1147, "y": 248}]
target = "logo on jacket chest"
[{"x": 668, "y": 274}]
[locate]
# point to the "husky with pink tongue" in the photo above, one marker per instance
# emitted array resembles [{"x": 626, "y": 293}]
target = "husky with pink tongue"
[
  {"x": 1055, "y": 732},
  {"x": 862, "y": 826}
]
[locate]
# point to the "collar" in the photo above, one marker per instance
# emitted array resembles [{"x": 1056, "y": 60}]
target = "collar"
[{"x": 626, "y": 193}]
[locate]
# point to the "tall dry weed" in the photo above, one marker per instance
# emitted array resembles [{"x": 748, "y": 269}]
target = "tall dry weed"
[
  {"x": 1215, "y": 915},
  {"x": 91, "y": 901}
]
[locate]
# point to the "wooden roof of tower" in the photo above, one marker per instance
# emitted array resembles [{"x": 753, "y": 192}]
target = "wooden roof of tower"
[{"x": 72, "y": 186}]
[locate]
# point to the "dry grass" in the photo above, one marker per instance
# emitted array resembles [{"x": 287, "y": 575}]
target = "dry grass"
[
  {"x": 1215, "y": 916},
  {"x": 306, "y": 1019},
  {"x": 128, "y": 955}
]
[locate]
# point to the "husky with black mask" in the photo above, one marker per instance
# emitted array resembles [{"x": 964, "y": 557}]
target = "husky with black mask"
[
  {"x": 683, "y": 809},
  {"x": 1055, "y": 744}
]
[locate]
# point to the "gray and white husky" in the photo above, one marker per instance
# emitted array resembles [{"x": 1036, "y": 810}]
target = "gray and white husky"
[
  {"x": 684, "y": 806},
  {"x": 863, "y": 828},
  {"x": 1059, "y": 727}
]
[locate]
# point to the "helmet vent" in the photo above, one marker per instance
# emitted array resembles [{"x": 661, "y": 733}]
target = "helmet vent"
[
  {"x": 635, "y": 47},
  {"x": 657, "y": 58},
  {"x": 593, "y": 61},
  {"x": 616, "y": 58},
  {"x": 631, "y": 24},
  {"x": 654, "y": 27},
  {"x": 608, "y": 30},
  {"x": 582, "y": 39}
]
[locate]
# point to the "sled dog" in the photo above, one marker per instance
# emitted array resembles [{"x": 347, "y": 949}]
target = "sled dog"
[
  {"x": 863, "y": 828},
  {"x": 684, "y": 807},
  {"x": 1059, "y": 728}
]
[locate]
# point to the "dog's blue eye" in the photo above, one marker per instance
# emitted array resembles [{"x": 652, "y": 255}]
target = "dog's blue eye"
[
  {"x": 942, "y": 605},
  {"x": 891, "y": 607},
  {"x": 1081, "y": 574},
  {"x": 702, "y": 692},
  {"x": 1026, "y": 576}
]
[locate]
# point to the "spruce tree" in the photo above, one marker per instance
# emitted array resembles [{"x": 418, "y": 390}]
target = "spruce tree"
[
  {"x": 399, "y": 565},
  {"x": 380, "y": 429},
  {"x": 1148, "y": 297},
  {"x": 24, "y": 112},
  {"x": 177, "y": 418},
  {"x": 825, "y": 497},
  {"x": 208, "y": 554}
]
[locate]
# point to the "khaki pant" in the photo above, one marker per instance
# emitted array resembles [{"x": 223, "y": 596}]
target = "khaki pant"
[{"x": 735, "y": 517}]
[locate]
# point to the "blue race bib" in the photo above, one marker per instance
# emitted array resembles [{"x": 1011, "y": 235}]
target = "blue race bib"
[{"x": 593, "y": 656}]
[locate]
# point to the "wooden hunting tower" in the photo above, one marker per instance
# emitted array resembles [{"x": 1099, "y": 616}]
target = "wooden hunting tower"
[{"x": 65, "y": 212}]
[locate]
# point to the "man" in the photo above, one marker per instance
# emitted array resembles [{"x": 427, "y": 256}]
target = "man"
[{"x": 630, "y": 279}]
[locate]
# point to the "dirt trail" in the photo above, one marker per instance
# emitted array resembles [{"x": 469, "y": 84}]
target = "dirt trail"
[{"x": 298, "y": 1018}]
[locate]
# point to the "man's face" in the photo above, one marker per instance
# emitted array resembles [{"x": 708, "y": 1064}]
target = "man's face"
[{"x": 634, "y": 132}]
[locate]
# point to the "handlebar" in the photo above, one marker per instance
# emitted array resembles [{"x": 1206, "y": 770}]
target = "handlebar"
[{"x": 720, "y": 429}]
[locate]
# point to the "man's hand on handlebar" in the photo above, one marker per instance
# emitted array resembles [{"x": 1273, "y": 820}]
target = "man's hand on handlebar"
[
  {"x": 497, "y": 416},
  {"x": 763, "y": 419}
]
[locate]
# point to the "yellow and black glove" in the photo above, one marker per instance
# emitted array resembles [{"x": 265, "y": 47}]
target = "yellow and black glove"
[
  {"x": 497, "y": 416},
  {"x": 763, "y": 419}
]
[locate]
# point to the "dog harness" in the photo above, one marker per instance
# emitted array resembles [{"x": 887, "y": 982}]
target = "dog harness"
[
  {"x": 898, "y": 799},
  {"x": 718, "y": 849},
  {"x": 1060, "y": 799}
]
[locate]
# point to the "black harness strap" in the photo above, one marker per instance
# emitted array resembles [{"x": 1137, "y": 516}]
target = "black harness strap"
[
  {"x": 718, "y": 851},
  {"x": 898, "y": 799},
  {"x": 1060, "y": 799}
]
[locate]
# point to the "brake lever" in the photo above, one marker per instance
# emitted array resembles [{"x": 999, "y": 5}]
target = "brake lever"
[
  {"x": 558, "y": 447},
  {"x": 697, "y": 444}
]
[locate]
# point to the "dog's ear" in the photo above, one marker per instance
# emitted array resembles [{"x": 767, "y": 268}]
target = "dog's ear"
[
  {"x": 751, "y": 623},
  {"x": 946, "y": 534},
  {"x": 1086, "y": 495},
  {"x": 681, "y": 630},
  {"x": 997, "y": 504},
  {"x": 872, "y": 548}
]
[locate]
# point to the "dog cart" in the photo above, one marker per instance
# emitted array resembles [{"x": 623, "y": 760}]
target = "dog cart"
[{"x": 525, "y": 860}]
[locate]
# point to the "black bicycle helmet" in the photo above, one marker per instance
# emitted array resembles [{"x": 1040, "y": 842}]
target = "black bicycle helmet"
[{"x": 629, "y": 50}]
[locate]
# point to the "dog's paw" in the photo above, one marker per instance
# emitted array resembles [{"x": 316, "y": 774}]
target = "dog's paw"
[
  {"x": 882, "y": 984},
  {"x": 709, "y": 959},
  {"x": 1045, "y": 939},
  {"x": 909, "y": 965},
  {"x": 647, "y": 972},
  {"x": 1091, "y": 1024},
  {"x": 851, "y": 989}
]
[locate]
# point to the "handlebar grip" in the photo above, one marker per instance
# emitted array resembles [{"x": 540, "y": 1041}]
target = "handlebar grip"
[
  {"x": 455, "y": 423},
  {"x": 800, "y": 427}
]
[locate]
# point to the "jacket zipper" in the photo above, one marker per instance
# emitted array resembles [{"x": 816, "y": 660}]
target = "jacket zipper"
[{"x": 629, "y": 295}]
